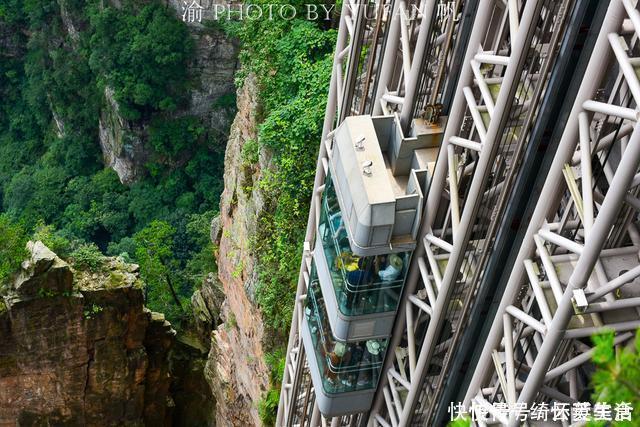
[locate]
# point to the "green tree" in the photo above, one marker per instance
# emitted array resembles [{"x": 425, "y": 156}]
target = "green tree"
[
  {"x": 141, "y": 56},
  {"x": 617, "y": 377},
  {"x": 157, "y": 268},
  {"x": 171, "y": 137},
  {"x": 268, "y": 407}
]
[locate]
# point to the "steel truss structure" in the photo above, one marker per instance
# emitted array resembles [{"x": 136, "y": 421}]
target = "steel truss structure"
[
  {"x": 409, "y": 50},
  {"x": 575, "y": 267},
  {"x": 502, "y": 82},
  {"x": 487, "y": 66}
]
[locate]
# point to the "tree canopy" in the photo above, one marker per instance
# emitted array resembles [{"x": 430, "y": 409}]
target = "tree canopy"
[{"x": 53, "y": 181}]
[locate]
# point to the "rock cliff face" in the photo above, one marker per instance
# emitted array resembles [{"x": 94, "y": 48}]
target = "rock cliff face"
[
  {"x": 121, "y": 141},
  {"x": 236, "y": 369},
  {"x": 212, "y": 68},
  {"x": 79, "y": 348}
]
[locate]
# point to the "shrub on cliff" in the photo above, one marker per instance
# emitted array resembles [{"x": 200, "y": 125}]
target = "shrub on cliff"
[
  {"x": 87, "y": 257},
  {"x": 13, "y": 249}
]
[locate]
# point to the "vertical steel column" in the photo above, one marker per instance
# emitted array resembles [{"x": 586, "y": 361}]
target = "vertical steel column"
[
  {"x": 332, "y": 101},
  {"x": 316, "y": 416},
  {"x": 401, "y": 89},
  {"x": 536, "y": 329}
]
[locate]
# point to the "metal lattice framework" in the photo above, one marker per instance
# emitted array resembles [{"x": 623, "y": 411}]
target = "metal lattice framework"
[
  {"x": 381, "y": 66},
  {"x": 417, "y": 57},
  {"x": 511, "y": 50},
  {"x": 575, "y": 267}
]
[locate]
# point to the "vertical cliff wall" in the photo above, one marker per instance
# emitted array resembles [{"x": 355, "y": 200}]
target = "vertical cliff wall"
[
  {"x": 236, "y": 369},
  {"x": 79, "y": 348}
]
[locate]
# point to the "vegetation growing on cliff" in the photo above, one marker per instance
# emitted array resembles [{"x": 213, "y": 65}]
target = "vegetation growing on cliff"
[
  {"x": 57, "y": 60},
  {"x": 142, "y": 57},
  {"x": 12, "y": 247},
  {"x": 292, "y": 60}
]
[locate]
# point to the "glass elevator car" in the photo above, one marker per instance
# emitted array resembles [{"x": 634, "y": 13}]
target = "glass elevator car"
[{"x": 368, "y": 225}]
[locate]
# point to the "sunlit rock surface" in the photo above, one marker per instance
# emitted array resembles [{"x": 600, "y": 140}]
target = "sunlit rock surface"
[{"x": 79, "y": 348}]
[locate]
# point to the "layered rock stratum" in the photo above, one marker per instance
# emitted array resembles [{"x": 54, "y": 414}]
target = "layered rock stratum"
[{"x": 79, "y": 347}]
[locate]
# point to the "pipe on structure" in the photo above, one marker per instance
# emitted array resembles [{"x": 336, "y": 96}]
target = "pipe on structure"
[
  {"x": 332, "y": 101},
  {"x": 594, "y": 73},
  {"x": 356, "y": 31},
  {"x": 388, "y": 62}
]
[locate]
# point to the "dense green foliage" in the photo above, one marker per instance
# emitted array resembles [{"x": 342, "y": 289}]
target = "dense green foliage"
[
  {"x": 460, "y": 422},
  {"x": 268, "y": 407},
  {"x": 292, "y": 61},
  {"x": 155, "y": 255},
  {"x": 52, "y": 95},
  {"x": 13, "y": 241},
  {"x": 141, "y": 56},
  {"x": 617, "y": 377}
]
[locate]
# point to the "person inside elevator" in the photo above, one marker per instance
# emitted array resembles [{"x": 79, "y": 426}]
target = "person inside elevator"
[
  {"x": 393, "y": 269},
  {"x": 337, "y": 358}
]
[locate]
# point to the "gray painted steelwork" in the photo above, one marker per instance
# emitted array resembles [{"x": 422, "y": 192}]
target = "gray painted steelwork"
[
  {"x": 576, "y": 49},
  {"x": 598, "y": 217},
  {"x": 576, "y": 268}
]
